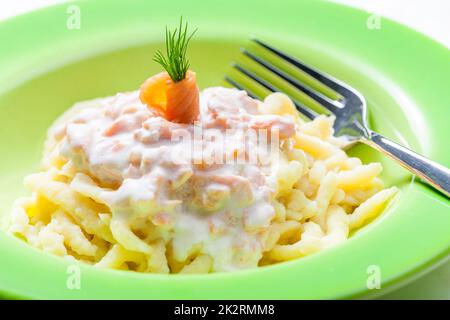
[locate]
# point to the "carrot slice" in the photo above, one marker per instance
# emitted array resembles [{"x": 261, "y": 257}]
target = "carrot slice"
[{"x": 175, "y": 101}]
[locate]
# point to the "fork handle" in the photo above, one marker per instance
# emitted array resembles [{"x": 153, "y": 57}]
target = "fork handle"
[{"x": 435, "y": 174}]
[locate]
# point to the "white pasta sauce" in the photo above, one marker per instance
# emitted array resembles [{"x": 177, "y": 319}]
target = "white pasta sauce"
[{"x": 150, "y": 173}]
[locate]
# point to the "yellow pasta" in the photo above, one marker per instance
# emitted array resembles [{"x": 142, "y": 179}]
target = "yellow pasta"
[
  {"x": 157, "y": 262},
  {"x": 316, "y": 147},
  {"x": 73, "y": 234},
  {"x": 315, "y": 196},
  {"x": 358, "y": 177},
  {"x": 117, "y": 256},
  {"x": 311, "y": 241},
  {"x": 81, "y": 209},
  {"x": 371, "y": 207},
  {"x": 280, "y": 104},
  {"x": 201, "y": 264}
]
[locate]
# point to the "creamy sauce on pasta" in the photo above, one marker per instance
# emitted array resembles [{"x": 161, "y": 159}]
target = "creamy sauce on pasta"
[
  {"x": 249, "y": 184},
  {"x": 151, "y": 173}
]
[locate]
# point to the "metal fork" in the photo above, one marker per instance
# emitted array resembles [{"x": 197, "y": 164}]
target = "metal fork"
[{"x": 350, "y": 112}]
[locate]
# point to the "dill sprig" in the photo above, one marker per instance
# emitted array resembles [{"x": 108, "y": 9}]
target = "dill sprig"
[{"x": 175, "y": 62}]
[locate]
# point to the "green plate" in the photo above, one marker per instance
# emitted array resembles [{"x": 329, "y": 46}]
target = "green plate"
[{"x": 46, "y": 67}]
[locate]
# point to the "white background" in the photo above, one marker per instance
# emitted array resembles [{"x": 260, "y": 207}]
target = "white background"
[{"x": 431, "y": 17}]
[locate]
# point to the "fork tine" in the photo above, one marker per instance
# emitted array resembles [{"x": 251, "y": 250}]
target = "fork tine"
[
  {"x": 327, "y": 80},
  {"x": 237, "y": 85},
  {"x": 324, "y": 101},
  {"x": 310, "y": 114}
]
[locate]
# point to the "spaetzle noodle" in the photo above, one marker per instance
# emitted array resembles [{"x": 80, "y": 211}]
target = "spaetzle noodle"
[{"x": 110, "y": 195}]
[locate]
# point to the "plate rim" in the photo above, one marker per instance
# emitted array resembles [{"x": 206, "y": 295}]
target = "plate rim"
[{"x": 418, "y": 189}]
